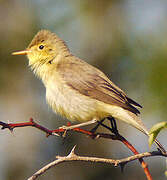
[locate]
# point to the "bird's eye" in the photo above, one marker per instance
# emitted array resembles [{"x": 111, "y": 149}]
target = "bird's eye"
[{"x": 41, "y": 46}]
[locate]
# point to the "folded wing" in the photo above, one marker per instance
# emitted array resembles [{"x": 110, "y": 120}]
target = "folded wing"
[{"x": 91, "y": 82}]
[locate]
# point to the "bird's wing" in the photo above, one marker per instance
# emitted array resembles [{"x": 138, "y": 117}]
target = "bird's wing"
[{"x": 91, "y": 82}]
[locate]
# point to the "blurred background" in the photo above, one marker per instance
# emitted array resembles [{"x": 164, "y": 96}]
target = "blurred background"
[{"x": 127, "y": 39}]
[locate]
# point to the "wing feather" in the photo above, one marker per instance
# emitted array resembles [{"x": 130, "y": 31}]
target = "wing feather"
[{"x": 91, "y": 82}]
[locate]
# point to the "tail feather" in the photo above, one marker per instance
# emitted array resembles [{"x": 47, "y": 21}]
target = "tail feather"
[
  {"x": 160, "y": 147},
  {"x": 132, "y": 119},
  {"x": 137, "y": 123}
]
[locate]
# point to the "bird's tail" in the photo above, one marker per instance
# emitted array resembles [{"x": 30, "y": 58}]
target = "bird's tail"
[
  {"x": 142, "y": 128},
  {"x": 160, "y": 147},
  {"x": 133, "y": 120},
  {"x": 136, "y": 122}
]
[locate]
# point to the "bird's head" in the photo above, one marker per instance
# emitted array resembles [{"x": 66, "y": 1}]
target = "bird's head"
[{"x": 44, "y": 47}]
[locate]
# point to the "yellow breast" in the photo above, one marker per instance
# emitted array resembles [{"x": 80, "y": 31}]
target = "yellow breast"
[{"x": 68, "y": 102}]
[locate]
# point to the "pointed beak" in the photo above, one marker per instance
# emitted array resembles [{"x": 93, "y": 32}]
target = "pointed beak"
[{"x": 24, "y": 52}]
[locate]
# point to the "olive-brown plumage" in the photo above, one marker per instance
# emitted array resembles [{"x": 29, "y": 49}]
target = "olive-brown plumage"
[{"x": 76, "y": 89}]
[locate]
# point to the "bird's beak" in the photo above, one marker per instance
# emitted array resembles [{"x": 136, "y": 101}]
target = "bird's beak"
[{"x": 24, "y": 52}]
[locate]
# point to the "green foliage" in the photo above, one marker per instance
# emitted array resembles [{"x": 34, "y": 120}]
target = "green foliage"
[
  {"x": 155, "y": 131},
  {"x": 166, "y": 173}
]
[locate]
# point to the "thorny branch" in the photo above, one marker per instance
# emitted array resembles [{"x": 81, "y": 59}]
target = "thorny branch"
[
  {"x": 62, "y": 131},
  {"x": 74, "y": 157}
]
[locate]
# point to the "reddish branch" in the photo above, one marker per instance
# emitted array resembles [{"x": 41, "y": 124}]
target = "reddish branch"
[{"x": 62, "y": 131}]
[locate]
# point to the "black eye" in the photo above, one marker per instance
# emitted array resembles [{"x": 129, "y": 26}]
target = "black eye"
[{"x": 41, "y": 46}]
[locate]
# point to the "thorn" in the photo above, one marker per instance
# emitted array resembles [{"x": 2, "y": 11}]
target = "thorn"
[
  {"x": 73, "y": 150},
  {"x": 122, "y": 166},
  {"x": 116, "y": 163},
  {"x": 97, "y": 136},
  {"x": 55, "y": 134},
  {"x": 64, "y": 134},
  {"x": 31, "y": 120},
  {"x": 11, "y": 130},
  {"x": 47, "y": 135},
  {"x": 72, "y": 153}
]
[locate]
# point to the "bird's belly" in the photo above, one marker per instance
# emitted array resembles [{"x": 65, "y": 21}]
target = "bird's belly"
[{"x": 71, "y": 104}]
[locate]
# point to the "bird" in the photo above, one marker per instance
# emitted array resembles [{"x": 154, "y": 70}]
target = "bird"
[{"x": 77, "y": 90}]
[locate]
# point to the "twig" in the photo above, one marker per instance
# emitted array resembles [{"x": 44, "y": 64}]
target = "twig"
[
  {"x": 62, "y": 131},
  {"x": 32, "y": 123},
  {"x": 73, "y": 157}
]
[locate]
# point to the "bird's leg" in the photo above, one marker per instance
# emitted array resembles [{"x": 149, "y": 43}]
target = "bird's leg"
[
  {"x": 107, "y": 127},
  {"x": 93, "y": 130},
  {"x": 113, "y": 125}
]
